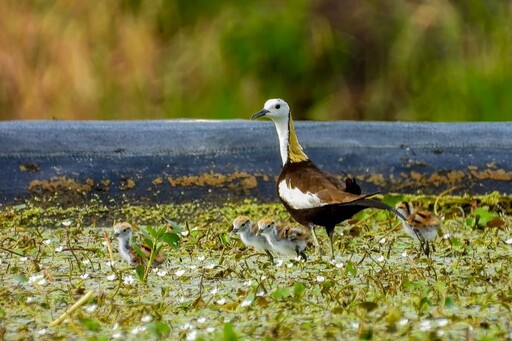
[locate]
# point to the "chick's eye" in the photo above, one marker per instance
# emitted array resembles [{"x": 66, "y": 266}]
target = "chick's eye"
[{"x": 278, "y": 106}]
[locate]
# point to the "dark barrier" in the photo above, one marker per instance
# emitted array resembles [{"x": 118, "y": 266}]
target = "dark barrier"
[{"x": 181, "y": 160}]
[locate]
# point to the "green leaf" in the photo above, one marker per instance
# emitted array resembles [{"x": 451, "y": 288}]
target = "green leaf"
[
  {"x": 159, "y": 329},
  {"x": 139, "y": 270},
  {"x": 368, "y": 306},
  {"x": 351, "y": 268},
  {"x": 138, "y": 251},
  {"x": 298, "y": 289},
  {"x": 281, "y": 293},
  {"x": 21, "y": 278},
  {"x": 92, "y": 325},
  {"x": 172, "y": 239},
  {"x": 229, "y": 333}
]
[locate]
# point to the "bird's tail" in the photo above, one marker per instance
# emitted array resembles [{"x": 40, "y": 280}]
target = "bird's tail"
[{"x": 377, "y": 204}]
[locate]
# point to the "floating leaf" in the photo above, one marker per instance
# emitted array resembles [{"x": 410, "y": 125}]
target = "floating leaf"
[
  {"x": 351, "y": 268},
  {"x": 229, "y": 333},
  {"x": 21, "y": 278},
  {"x": 139, "y": 270},
  {"x": 281, "y": 293},
  {"x": 159, "y": 329},
  {"x": 92, "y": 325}
]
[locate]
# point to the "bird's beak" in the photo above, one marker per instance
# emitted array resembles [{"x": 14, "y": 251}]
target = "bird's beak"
[
  {"x": 116, "y": 234},
  {"x": 259, "y": 114}
]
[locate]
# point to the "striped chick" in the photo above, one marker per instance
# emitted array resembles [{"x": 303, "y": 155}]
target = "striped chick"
[
  {"x": 285, "y": 239},
  {"x": 123, "y": 233},
  {"x": 244, "y": 227}
]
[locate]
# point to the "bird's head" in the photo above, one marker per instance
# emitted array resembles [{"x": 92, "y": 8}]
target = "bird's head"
[
  {"x": 265, "y": 226},
  {"x": 404, "y": 208},
  {"x": 241, "y": 224},
  {"x": 122, "y": 230},
  {"x": 276, "y": 109}
]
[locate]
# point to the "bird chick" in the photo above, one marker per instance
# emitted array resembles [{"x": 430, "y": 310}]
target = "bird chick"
[
  {"x": 420, "y": 225},
  {"x": 123, "y": 233},
  {"x": 248, "y": 233},
  {"x": 287, "y": 240}
]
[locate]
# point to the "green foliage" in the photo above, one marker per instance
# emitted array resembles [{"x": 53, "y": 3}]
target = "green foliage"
[{"x": 379, "y": 60}]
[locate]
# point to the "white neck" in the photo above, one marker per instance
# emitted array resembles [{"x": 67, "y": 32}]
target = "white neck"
[
  {"x": 124, "y": 248},
  {"x": 283, "y": 132}
]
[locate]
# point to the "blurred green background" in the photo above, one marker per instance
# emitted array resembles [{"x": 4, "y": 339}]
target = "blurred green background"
[{"x": 433, "y": 60}]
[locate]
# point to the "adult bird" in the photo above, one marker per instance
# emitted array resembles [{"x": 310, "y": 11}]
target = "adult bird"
[{"x": 311, "y": 195}]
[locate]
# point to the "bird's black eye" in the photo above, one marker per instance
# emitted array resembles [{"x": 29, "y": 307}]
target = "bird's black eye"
[{"x": 278, "y": 106}]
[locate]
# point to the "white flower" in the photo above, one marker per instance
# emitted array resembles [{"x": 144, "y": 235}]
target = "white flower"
[
  {"x": 289, "y": 265},
  {"x": 37, "y": 279},
  {"x": 279, "y": 262},
  {"x": 31, "y": 299},
  {"x": 179, "y": 273},
  {"x": 446, "y": 236},
  {"x": 263, "y": 277},
  {"x": 111, "y": 277},
  {"x": 161, "y": 273},
  {"x": 425, "y": 325},
  {"x": 221, "y": 301},
  {"x": 59, "y": 248},
  {"x": 47, "y": 242},
  {"x": 320, "y": 279},
  {"x": 42, "y": 331},
  {"x": 146, "y": 318},
  {"x": 104, "y": 243},
  {"x": 66, "y": 223},
  {"x": 210, "y": 329},
  {"x": 137, "y": 330},
  {"x": 210, "y": 266},
  {"x": 117, "y": 336},
  {"x": 382, "y": 241},
  {"x": 404, "y": 254},
  {"x": 128, "y": 280},
  {"x": 184, "y": 233},
  {"x": 109, "y": 263},
  {"x": 339, "y": 265},
  {"x": 201, "y": 320},
  {"x": 84, "y": 276},
  {"x": 182, "y": 299},
  {"x": 214, "y": 291},
  {"x": 186, "y": 326},
  {"x": 201, "y": 258},
  {"x": 247, "y": 302},
  {"x": 508, "y": 241},
  {"x": 24, "y": 259},
  {"x": 403, "y": 322},
  {"x": 90, "y": 308},
  {"x": 442, "y": 322},
  {"x": 115, "y": 326},
  {"x": 192, "y": 335},
  {"x": 86, "y": 261},
  {"x": 248, "y": 283},
  {"x": 354, "y": 325},
  {"x": 192, "y": 267},
  {"x": 380, "y": 259}
]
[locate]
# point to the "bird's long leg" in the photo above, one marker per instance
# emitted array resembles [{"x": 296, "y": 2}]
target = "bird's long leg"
[
  {"x": 315, "y": 239},
  {"x": 330, "y": 233},
  {"x": 423, "y": 247},
  {"x": 270, "y": 256}
]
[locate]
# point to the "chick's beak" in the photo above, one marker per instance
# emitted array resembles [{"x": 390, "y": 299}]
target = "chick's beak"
[
  {"x": 259, "y": 114},
  {"x": 116, "y": 234}
]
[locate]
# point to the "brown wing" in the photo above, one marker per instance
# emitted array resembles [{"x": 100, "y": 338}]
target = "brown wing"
[
  {"x": 309, "y": 179},
  {"x": 146, "y": 250},
  {"x": 282, "y": 231},
  {"x": 298, "y": 233}
]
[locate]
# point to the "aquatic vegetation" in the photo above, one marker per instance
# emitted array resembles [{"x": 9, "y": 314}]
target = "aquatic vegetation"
[{"x": 379, "y": 285}]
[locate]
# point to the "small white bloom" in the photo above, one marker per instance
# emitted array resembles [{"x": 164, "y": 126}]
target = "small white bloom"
[
  {"x": 221, "y": 301},
  {"x": 137, "y": 330},
  {"x": 109, "y": 263},
  {"x": 146, "y": 318},
  {"x": 104, "y": 243},
  {"x": 446, "y": 236},
  {"x": 320, "y": 279},
  {"x": 182, "y": 299},
  {"x": 248, "y": 283},
  {"x": 192, "y": 267},
  {"x": 214, "y": 291},
  {"x": 186, "y": 326},
  {"x": 184, "y": 233},
  {"x": 42, "y": 331},
  {"x": 210, "y": 329},
  {"x": 111, "y": 277},
  {"x": 37, "y": 279},
  {"x": 31, "y": 299},
  {"x": 247, "y": 302},
  {"x": 404, "y": 254},
  {"x": 117, "y": 336},
  {"x": 289, "y": 265},
  {"x": 210, "y": 266},
  {"x": 86, "y": 261},
  {"x": 66, "y": 223},
  {"x": 279, "y": 262},
  {"x": 84, "y": 276},
  {"x": 161, "y": 273},
  {"x": 425, "y": 325},
  {"x": 227, "y": 320},
  {"x": 201, "y": 320},
  {"x": 339, "y": 265},
  {"x": 354, "y": 325},
  {"x": 115, "y": 326},
  {"x": 508, "y": 241},
  {"x": 263, "y": 277},
  {"x": 179, "y": 273},
  {"x": 201, "y": 258},
  {"x": 380, "y": 259},
  {"x": 442, "y": 322},
  {"x": 382, "y": 241},
  {"x": 90, "y": 308},
  {"x": 192, "y": 335},
  {"x": 403, "y": 322},
  {"x": 47, "y": 242},
  {"x": 59, "y": 248},
  {"x": 24, "y": 259},
  {"x": 260, "y": 293},
  {"x": 128, "y": 280}
]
